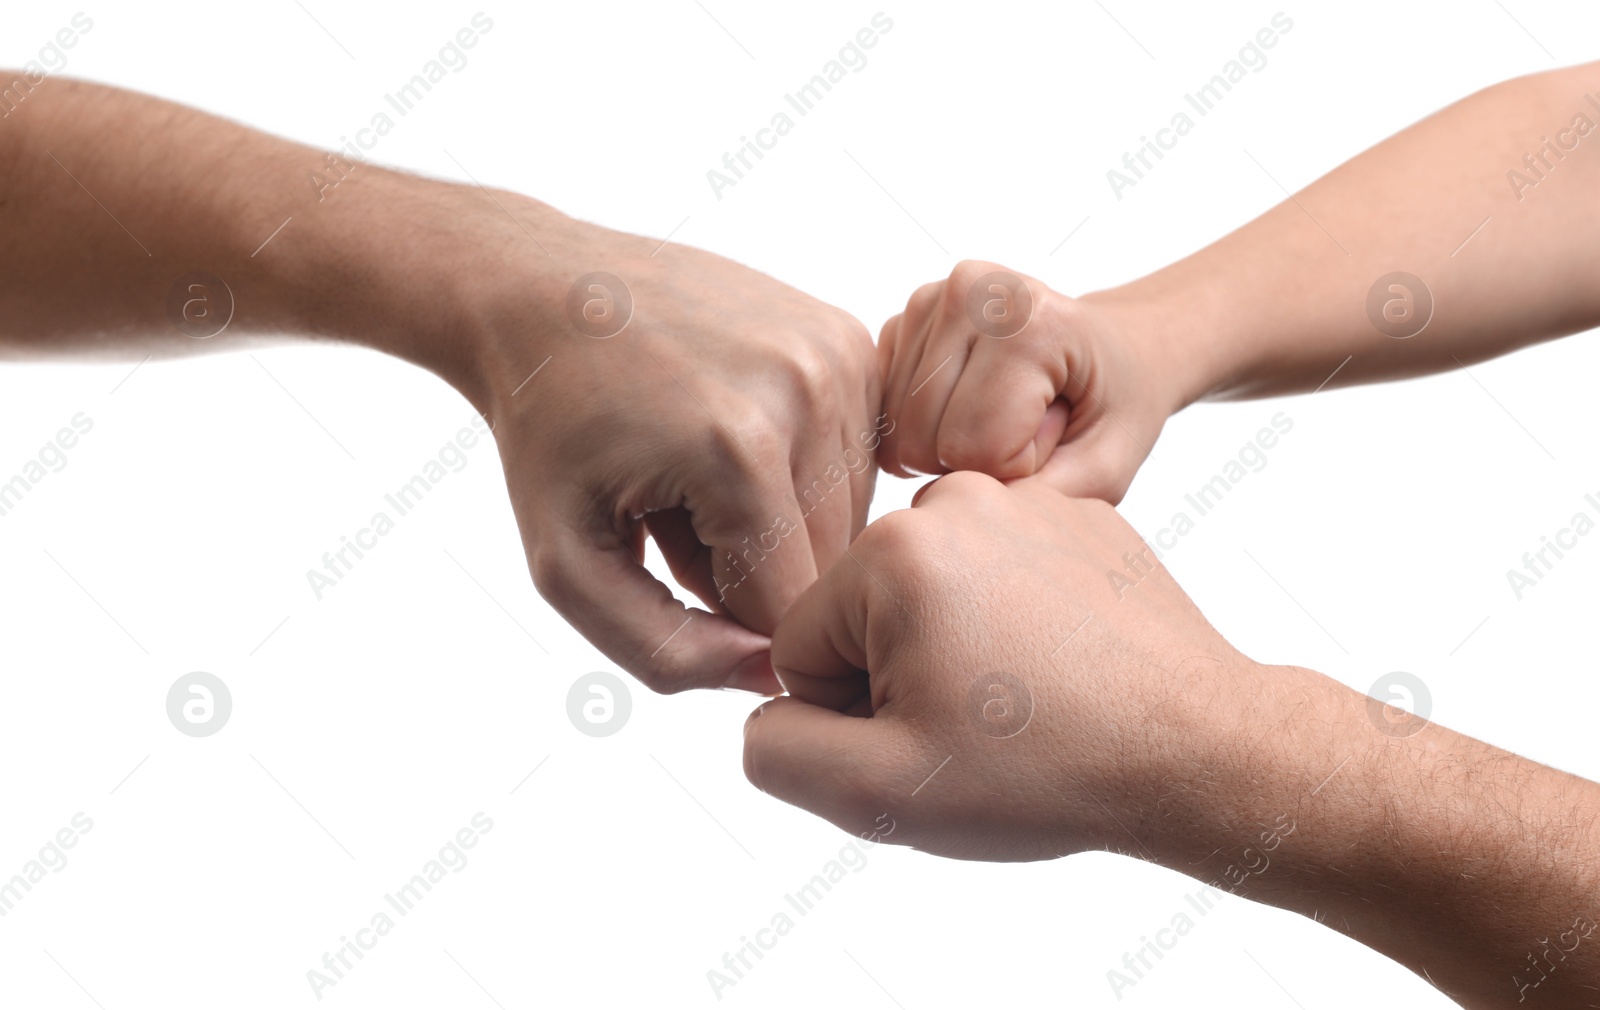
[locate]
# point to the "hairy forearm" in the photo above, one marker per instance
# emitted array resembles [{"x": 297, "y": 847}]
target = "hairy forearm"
[
  {"x": 1475, "y": 868},
  {"x": 1479, "y": 201},
  {"x": 110, "y": 200}
]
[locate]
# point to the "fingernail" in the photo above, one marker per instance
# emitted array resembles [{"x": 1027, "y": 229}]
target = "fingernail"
[{"x": 754, "y": 674}]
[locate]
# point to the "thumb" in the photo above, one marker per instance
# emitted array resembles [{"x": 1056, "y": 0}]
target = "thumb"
[
  {"x": 1054, "y": 425},
  {"x": 840, "y": 767},
  {"x": 1098, "y": 463}
]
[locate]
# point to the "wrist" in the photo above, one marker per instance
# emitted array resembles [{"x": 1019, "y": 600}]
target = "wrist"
[
  {"x": 1315, "y": 801},
  {"x": 434, "y": 273},
  {"x": 1180, "y": 336},
  {"x": 1243, "y": 789}
]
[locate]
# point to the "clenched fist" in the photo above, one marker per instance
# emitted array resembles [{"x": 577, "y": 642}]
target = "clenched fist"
[
  {"x": 995, "y": 372},
  {"x": 1020, "y": 701}
]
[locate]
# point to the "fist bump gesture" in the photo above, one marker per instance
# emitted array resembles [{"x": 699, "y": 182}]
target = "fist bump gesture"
[{"x": 963, "y": 666}]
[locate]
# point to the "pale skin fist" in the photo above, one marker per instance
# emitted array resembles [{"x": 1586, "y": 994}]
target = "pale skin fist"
[
  {"x": 703, "y": 421},
  {"x": 1044, "y": 698},
  {"x": 993, "y": 371}
]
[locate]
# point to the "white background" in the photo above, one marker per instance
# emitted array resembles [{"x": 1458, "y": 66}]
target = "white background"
[{"x": 407, "y": 700}]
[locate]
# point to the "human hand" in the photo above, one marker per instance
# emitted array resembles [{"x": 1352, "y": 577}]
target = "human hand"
[
  {"x": 995, "y": 372},
  {"x": 726, "y": 414},
  {"x": 1021, "y": 705},
  {"x": 684, "y": 396}
]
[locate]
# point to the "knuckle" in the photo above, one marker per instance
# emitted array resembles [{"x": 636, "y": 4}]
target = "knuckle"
[
  {"x": 766, "y": 442},
  {"x": 658, "y": 677},
  {"x": 965, "y": 272},
  {"x": 746, "y": 439},
  {"x": 809, "y": 373},
  {"x": 924, "y": 297},
  {"x": 895, "y": 538},
  {"x": 855, "y": 336},
  {"x": 889, "y": 335},
  {"x": 964, "y": 275},
  {"x": 549, "y": 574},
  {"x": 663, "y": 671},
  {"x": 923, "y": 302}
]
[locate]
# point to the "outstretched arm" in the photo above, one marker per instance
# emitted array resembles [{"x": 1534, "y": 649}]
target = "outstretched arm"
[
  {"x": 110, "y": 199},
  {"x": 635, "y": 387},
  {"x": 1064, "y": 713},
  {"x": 1492, "y": 203},
  {"x": 1464, "y": 236}
]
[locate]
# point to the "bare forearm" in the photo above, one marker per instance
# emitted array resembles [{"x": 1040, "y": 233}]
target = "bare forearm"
[
  {"x": 1475, "y": 868},
  {"x": 1491, "y": 203},
  {"x": 110, "y": 202}
]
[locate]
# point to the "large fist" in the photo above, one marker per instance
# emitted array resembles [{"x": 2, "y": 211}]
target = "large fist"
[
  {"x": 1006, "y": 673},
  {"x": 642, "y": 388}
]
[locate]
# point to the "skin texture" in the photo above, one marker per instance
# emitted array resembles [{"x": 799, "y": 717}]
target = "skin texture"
[
  {"x": 1020, "y": 707},
  {"x": 704, "y": 418},
  {"x": 943, "y": 377},
  {"x": 1149, "y": 734},
  {"x": 1278, "y": 306},
  {"x": 699, "y": 422}
]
